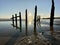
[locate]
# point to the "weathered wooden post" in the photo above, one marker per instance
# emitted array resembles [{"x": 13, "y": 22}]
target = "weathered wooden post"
[
  {"x": 35, "y": 19},
  {"x": 52, "y": 16},
  {"x": 20, "y": 20},
  {"x": 13, "y": 20},
  {"x": 26, "y": 20},
  {"x": 16, "y": 19}
]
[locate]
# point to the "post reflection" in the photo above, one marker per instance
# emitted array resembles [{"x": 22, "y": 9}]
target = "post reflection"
[
  {"x": 26, "y": 32},
  {"x": 21, "y": 28},
  {"x": 51, "y": 30},
  {"x": 12, "y": 25}
]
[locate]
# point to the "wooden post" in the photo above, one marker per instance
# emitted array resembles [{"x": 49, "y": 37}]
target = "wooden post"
[
  {"x": 51, "y": 30},
  {"x": 35, "y": 19},
  {"x": 16, "y": 19},
  {"x": 13, "y": 19},
  {"x": 52, "y": 17},
  {"x": 20, "y": 19},
  {"x": 26, "y": 20},
  {"x": 52, "y": 13}
]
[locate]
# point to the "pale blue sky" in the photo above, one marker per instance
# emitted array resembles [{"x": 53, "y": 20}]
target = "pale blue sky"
[{"x": 9, "y": 7}]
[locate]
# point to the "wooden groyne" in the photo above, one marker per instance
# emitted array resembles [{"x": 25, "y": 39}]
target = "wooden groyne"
[
  {"x": 15, "y": 19},
  {"x": 35, "y": 18}
]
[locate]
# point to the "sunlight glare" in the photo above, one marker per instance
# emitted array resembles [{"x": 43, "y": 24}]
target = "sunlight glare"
[{"x": 30, "y": 18}]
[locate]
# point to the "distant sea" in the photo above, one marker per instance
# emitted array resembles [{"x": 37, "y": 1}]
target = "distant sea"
[{"x": 7, "y": 29}]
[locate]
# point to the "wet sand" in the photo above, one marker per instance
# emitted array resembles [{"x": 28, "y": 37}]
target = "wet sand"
[
  {"x": 11, "y": 40},
  {"x": 3, "y": 40},
  {"x": 38, "y": 39}
]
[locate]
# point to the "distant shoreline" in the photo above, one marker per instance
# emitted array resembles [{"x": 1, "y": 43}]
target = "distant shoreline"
[
  {"x": 9, "y": 20},
  {"x": 5, "y": 19},
  {"x": 22, "y": 19},
  {"x": 54, "y": 18}
]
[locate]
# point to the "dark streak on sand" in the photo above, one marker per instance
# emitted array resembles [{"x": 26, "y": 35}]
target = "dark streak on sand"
[{"x": 13, "y": 39}]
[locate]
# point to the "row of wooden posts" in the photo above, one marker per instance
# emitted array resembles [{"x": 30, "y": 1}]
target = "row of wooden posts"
[
  {"x": 25, "y": 19},
  {"x": 35, "y": 15},
  {"x": 15, "y": 19}
]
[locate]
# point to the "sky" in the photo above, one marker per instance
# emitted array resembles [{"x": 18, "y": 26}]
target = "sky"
[{"x": 10, "y": 7}]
